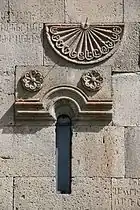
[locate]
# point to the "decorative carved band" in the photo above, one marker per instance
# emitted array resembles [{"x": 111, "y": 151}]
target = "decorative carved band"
[
  {"x": 84, "y": 44},
  {"x": 82, "y": 108}
]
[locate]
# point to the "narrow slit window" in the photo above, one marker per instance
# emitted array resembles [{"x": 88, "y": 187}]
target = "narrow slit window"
[{"x": 63, "y": 154}]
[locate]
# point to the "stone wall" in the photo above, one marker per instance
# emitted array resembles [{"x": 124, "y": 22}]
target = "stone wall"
[{"x": 105, "y": 158}]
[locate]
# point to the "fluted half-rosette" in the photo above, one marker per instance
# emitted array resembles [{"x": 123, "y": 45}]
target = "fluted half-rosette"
[{"x": 84, "y": 44}]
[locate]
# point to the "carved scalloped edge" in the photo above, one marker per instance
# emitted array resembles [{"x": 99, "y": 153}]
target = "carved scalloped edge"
[
  {"x": 84, "y": 44},
  {"x": 44, "y": 109}
]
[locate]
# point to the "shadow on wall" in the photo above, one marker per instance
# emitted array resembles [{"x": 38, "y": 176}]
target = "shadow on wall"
[{"x": 32, "y": 127}]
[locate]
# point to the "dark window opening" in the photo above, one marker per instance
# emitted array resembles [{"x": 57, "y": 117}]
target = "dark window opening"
[{"x": 63, "y": 154}]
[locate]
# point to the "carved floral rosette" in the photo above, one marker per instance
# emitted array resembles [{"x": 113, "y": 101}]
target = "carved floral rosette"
[
  {"x": 84, "y": 44},
  {"x": 92, "y": 81},
  {"x": 32, "y": 81}
]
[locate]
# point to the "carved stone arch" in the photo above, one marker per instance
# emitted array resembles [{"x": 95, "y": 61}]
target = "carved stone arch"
[
  {"x": 64, "y": 106},
  {"x": 70, "y": 93}
]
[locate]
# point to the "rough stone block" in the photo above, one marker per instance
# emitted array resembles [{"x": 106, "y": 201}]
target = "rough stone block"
[
  {"x": 126, "y": 58},
  {"x": 6, "y": 193},
  {"x": 98, "y": 151},
  {"x": 29, "y": 152},
  {"x": 88, "y": 193},
  {"x": 131, "y": 10},
  {"x": 58, "y": 76},
  {"x": 126, "y": 99},
  {"x": 36, "y": 11},
  {"x": 36, "y": 193},
  {"x": 40, "y": 193},
  {"x": 125, "y": 194},
  {"x": 4, "y": 17},
  {"x": 6, "y": 96},
  {"x": 95, "y": 11},
  {"x": 132, "y": 144},
  {"x": 20, "y": 43}
]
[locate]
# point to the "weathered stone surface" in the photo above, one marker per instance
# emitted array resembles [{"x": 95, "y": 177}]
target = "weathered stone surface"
[
  {"x": 126, "y": 58},
  {"x": 36, "y": 11},
  {"x": 6, "y": 151},
  {"x": 29, "y": 152},
  {"x": 125, "y": 194},
  {"x": 131, "y": 10},
  {"x": 95, "y": 11},
  {"x": 36, "y": 193},
  {"x": 98, "y": 151},
  {"x": 20, "y": 43},
  {"x": 56, "y": 76},
  {"x": 4, "y": 17},
  {"x": 6, "y": 194},
  {"x": 6, "y": 96},
  {"x": 40, "y": 193},
  {"x": 126, "y": 99},
  {"x": 132, "y": 145},
  {"x": 88, "y": 193}
]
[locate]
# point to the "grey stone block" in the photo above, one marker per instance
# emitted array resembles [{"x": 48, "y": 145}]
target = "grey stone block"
[
  {"x": 4, "y": 17},
  {"x": 6, "y": 193},
  {"x": 131, "y": 10},
  {"x": 126, "y": 99},
  {"x": 36, "y": 193},
  {"x": 36, "y": 11},
  {"x": 20, "y": 43},
  {"x": 95, "y": 11},
  {"x": 125, "y": 194},
  {"x": 28, "y": 152},
  {"x": 98, "y": 151},
  {"x": 132, "y": 145},
  {"x": 88, "y": 193},
  {"x": 6, "y": 96}
]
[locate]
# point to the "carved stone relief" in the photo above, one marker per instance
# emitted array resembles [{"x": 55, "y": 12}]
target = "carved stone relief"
[
  {"x": 32, "y": 81},
  {"x": 61, "y": 94},
  {"x": 83, "y": 43},
  {"x": 92, "y": 81}
]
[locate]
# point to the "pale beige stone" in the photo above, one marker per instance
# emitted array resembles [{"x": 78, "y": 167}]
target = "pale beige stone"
[
  {"x": 89, "y": 194},
  {"x": 36, "y": 194},
  {"x": 6, "y": 193},
  {"x": 131, "y": 10},
  {"x": 29, "y": 152},
  {"x": 20, "y": 44},
  {"x": 95, "y": 11},
  {"x": 125, "y": 194},
  {"x": 126, "y": 99},
  {"x": 98, "y": 151},
  {"x": 36, "y": 11},
  {"x": 40, "y": 193},
  {"x": 55, "y": 76},
  {"x": 132, "y": 144}
]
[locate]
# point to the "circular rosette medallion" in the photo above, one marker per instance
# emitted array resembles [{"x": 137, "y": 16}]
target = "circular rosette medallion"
[
  {"x": 92, "y": 81},
  {"x": 32, "y": 81}
]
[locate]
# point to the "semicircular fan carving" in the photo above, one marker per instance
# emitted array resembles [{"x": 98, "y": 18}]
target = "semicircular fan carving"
[{"x": 83, "y": 44}]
